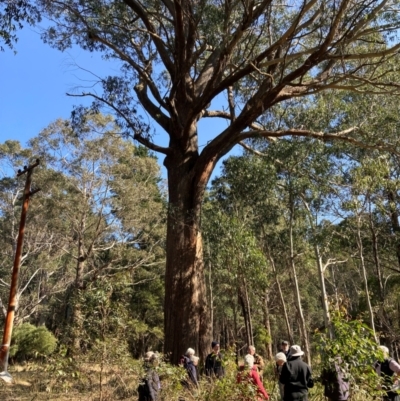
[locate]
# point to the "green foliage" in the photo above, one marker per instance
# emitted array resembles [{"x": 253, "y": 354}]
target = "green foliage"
[
  {"x": 353, "y": 347},
  {"x": 30, "y": 341},
  {"x": 13, "y": 14}
]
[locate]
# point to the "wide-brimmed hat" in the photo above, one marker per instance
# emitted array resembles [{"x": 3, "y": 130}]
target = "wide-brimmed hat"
[{"x": 295, "y": 350}]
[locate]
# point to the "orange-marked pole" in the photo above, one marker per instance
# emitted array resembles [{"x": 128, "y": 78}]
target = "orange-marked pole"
[{"x": 12, "y": 301}]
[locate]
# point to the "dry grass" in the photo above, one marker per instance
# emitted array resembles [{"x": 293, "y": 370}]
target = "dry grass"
[
  {"x": 92, "y": 382},
  {"x": 36, "y": 383}
]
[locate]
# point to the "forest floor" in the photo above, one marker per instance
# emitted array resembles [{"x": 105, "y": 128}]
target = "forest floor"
[
  {"x": 33, "y": 383},
  {"x": 94, "y": 382}
]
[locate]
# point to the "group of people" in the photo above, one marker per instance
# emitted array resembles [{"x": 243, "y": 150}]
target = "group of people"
[
  {"x": 292, "y": 374},
  {"x": 295, "y": 376}
]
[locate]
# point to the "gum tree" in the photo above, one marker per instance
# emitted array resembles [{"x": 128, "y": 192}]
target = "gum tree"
[
  {"x": 13, "y": 15},
  {"x": 186, "y": 60}
]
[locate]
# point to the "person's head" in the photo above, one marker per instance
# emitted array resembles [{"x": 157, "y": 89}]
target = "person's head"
[
  {"x": 194, "y": 359},
  {"x": 151, "y": 358},
  {"x": 215, "y": 346},
  {"x": 385, "y": 351},
  {"x": 249, "y": 361},
  {"x": 284, "y": 346},
  {"x": 251, "y": 350},
  {"x": 189, "y": 352},
  {"x": 280, "y": 358},
  {"x": 295, "y": 350}
]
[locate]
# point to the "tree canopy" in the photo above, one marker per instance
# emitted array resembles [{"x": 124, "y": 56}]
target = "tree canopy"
[{"x": 246, "y": 63}]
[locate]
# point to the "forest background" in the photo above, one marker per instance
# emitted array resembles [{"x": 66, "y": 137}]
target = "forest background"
[{"x": 297, "y": 232}]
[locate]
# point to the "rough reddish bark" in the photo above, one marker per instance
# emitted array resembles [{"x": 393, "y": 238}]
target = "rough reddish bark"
[{"x": 187, "y": 320}]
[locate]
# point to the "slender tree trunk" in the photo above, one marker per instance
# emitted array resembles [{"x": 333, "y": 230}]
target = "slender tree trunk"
[
  {"x": 321, "y": 271},
  {"x": 303, "y": 328},
  {"x": 364, "y": 272},
  {"x": 374, "y": 239},
  {"x": 282, "y": 298},
  {"x": 267, "y": 325},
  {"x": 76, "y": 324},
  {"x": 235, "y": 322},
  {"x": 226, "y": 333},
  {"x": 394, "y": 218},
  {"x": 77, "y": 315},
  {"x": 333, "y": 278},
  {"x": 324, "y": 296},
  {"x": 210, "y": 290},
  {"x": 250, "y": 323},
  {"x": 384, "y": 318},
  {"x": 243, "y": 300}
]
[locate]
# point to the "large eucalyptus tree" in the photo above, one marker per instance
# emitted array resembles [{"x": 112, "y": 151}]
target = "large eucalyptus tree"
[{"x": 185, "y": 60}]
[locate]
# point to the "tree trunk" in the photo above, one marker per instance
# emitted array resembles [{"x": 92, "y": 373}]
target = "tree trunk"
[
  {"x": 186, "y": 315},
  {"x": 267, "y": 325},
  {"x": 324, "y": 296},
  {"x": 282, "y": 299},
  {"x": 76, "y": 324},
  {"x": 210, "y": 295},
  {"x": 77, "y": 315},
  {"x": 321, "y": 271},
  {"x": 243, "y": 300},
  {"x": 394, "y": 218},
  {"x": 374, "y": 238},
  {"x": 303, "y": 328},
  {"x": 364, "y": 272}
]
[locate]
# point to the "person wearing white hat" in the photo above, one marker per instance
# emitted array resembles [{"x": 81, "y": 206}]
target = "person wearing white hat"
[
  {"x": 296, "y": 376},
  {"x": 149, "y": 387},
  {"x": 280, "y": 359},
  {"x": 248, "y": 373},
  {"x": 189, "y": 362}
]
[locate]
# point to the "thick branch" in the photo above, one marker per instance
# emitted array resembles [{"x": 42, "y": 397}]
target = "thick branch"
[
  {"x": 342, "y": 136},
  {"x": 144, "y": 16},
  {"x": 151, "y": 108},
  {"x": 138, "y": 137}
]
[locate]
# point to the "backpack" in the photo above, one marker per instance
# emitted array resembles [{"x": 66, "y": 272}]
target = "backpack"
[
  {"x": 385, "y": 367},
  {"x": 335, "y": 385},
  {"x": 144, "y": 390},
  {"x": 387, "y": 374}
]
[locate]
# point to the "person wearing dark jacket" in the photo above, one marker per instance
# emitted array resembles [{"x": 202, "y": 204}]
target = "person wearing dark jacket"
[
  {"x": 389, "y": 370},
  {"x": 296, "y": 376},
  {"x": 188, "y": 361},
  {"x": 149, "y": 388},
  {"x": 336, "y": 388},
  {"x": 284, "y": 347},
  {"x": 214, "y": 365},
  {"x": 280, "y": 359}
]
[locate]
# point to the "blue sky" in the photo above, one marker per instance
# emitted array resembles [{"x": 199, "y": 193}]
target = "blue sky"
[{"x": 34, "y": 83}]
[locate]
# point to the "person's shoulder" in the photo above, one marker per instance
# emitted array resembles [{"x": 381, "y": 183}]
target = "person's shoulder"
[
  {"x": 305, "y": 364},
  {"x": 394, "y": 365}
]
